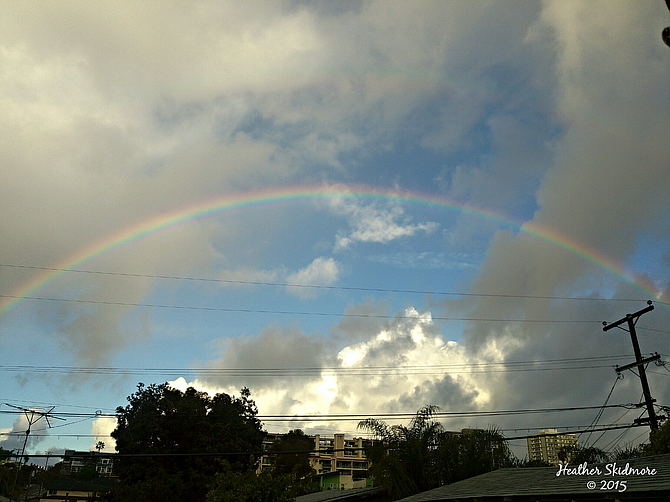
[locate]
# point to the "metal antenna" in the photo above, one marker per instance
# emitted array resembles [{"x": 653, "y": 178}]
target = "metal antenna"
[{"x": 33, "y": 416}]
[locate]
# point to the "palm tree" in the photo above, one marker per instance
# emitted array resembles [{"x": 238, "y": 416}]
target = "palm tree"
[
  {"x": 421, "y": 456},
  {"x": 580, "y": 454},
  {"x": 403, "y": 457},
  {"x": 470, "y": 453}
]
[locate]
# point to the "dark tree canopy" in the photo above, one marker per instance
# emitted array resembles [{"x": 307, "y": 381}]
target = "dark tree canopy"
[
  {"x": 230, "y": 486},
  {"x": 402, "y": 457},
  {"x": 421, "y": 456},
  {"x": 160, "y": 419},
  {"x": 295, "y": 465},
  {"x": 659, "y": 440}
]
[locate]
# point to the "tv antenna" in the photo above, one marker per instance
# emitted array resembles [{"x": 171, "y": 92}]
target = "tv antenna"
[{"x": 33, "y": 416}]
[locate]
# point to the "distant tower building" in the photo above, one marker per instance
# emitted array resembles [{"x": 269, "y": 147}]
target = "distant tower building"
[{"x": 545, "y": 445}]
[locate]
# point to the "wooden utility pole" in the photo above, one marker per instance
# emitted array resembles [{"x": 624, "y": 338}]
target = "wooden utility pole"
[{"x": 631, "y": 320}]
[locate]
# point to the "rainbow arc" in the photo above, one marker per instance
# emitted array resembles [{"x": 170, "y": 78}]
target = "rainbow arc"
[{"x": 232, "y": 203}]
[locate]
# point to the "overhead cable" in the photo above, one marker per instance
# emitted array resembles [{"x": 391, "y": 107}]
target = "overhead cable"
[
  {"x": 269, "y": 452},
  {"x": 314, "y": 286},
  {"x": 461, "y": 368},
  {"x": 289, "y": 312},
  {"x": 362, "y": 416}
]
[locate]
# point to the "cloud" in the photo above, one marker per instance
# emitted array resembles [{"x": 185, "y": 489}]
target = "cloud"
[
  {"x": 55, "y": 455},
  {"x": 554, "y": 113},
  {"x": 302, "y": 283},
  {"x": 101, "y": 428},
  {"x": 601, "y": 189},
  {"x": 612, "y": 150},
  {"x": 16, "y": 436},
  {"x": 370, "y": 223},
  {"x": 321, "y": 272},
  {"x": 380, "y": 368},
  {"x": 273, "y": 347},
  {"x": 133, "y": 111}
]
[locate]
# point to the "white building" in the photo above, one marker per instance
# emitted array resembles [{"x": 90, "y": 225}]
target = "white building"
[
  {"x": 331, "y": 454},
  {"x": 545, "y": 445}
]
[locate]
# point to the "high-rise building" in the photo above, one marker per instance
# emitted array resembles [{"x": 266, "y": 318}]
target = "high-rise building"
[
  {"x": 545, "y": 445},
  {"x": 331, "y": 454}
]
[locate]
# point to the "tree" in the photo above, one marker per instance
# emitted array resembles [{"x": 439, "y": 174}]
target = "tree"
[
  {"x": 296, "y": 465},
  {"x": 659, "y": 441},
  {"x": 402, "y": 456},
  {"x": 231, "y": 486},
  {"x": 422, "y": 456},
  {"x": 470, "y": 453},
  {"x": 627, "y": 453},
  {"x": 161, "y": 420},
  {"x": 7, "y": 472},
  {"x": 532, "y": 463},
  {"x": 580, "y": 454}
]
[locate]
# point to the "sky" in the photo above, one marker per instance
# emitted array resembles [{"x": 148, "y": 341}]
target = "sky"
[{"x": 354, "y": 207}]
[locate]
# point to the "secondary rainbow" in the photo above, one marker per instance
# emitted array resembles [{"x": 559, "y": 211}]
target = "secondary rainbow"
[{"x": 309, "y": 194}]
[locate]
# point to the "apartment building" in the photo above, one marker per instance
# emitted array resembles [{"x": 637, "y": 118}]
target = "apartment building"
[
  {"x": 331, "y": 454},
  {"x": 75, "y": 461},
  {"x": 545, "y": 445}
]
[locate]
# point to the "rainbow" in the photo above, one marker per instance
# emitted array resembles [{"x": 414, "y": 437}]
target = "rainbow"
[{"x": 309, "y": 194}]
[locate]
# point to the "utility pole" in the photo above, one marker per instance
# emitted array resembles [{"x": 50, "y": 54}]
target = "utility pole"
[
  {"x": 631, "y": 320},
  {"x": 31, "y": 420}
]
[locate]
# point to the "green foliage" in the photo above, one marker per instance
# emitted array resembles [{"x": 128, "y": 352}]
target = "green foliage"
[
  {"x": 659, "y": 444},
  {"x": 659, "y": 441},
  {"x": 627, "y": 453},
  {"x": 471, "y": 453},
  {"x": 295, "y": 465},
  {"x": 87, "y": 473},
  {"x": 49, "y": 474},
  {"x": 231, "y": 486},
  {"x": 532, "y": 463},
  {"x": 421, "y": 456},
  {"x": 588, "y": 454},
  {"x": 402, "y": 456},
  {"x": 6, "y": 479},
  {"x": 160, "y": 420}
]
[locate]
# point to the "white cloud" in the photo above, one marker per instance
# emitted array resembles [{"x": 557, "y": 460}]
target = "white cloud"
[
  {"x": 15, "y": 437},
  {"x": 181, "y": 384},
  {"x": 613, "y": 148},
  {"x": 321, "y": 272},
  {"x": 370, "y": 223},
  {"x": 400, "y": 347},
  {"x": 135, "y": 110},
  {"x": 102, "y": 427}
]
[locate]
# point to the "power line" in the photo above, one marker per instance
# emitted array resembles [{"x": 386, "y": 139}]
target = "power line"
[
  {"x": 7, "y": 400},
  {"x": 313, "y": 286},
  {"x": 600, "y": 412},
  {"x": 268, "y": 452},
  {"x": 615, "y": 427},
  {"x": 286, "y": 312},
  {"x": 361, "y": 416},
  {"x": 489, "y": 367},
  {"x": 74, "y": 435}
]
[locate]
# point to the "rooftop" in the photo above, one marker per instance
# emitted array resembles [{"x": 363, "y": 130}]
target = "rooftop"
[{"x": 545, "y": 483}]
